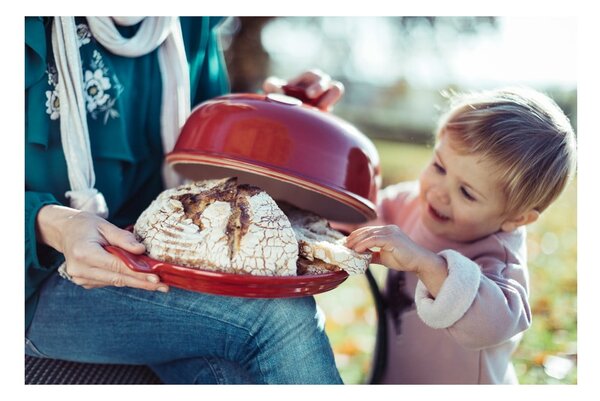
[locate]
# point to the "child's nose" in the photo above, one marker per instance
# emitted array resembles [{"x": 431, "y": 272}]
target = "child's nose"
[{"x": 441, "y": 195}]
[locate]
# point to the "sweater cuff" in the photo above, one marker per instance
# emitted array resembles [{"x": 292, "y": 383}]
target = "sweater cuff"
[
  {"x": 37, "y": 255},
  {"x": 455, "y": 296}
]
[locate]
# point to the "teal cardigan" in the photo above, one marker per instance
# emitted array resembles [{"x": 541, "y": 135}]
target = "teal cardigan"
[{"x": 123, "y": 112}]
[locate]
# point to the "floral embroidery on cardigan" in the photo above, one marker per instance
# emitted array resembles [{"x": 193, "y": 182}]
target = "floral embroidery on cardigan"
[
  {"x": 52, "y": 101},
  {"x": 83, "y": 34},
  {"x": 101, "y": 95},
  {"x": 101, "y": 88}
]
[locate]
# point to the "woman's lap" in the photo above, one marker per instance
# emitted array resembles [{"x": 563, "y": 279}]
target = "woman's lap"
[{"x": 273, "y": 340}]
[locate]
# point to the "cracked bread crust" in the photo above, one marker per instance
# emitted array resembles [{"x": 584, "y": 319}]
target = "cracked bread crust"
[
  {"x": 321, "y": 248},
  {"x": 219, "y": 225}
]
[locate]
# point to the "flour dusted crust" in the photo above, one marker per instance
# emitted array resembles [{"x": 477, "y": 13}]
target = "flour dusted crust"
[
  {"x": 221, "y": 226},
  {"x": 321, "y": 248}
]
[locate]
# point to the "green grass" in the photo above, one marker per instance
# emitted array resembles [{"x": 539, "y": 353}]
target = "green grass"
[{"x": 552, "y": 254}]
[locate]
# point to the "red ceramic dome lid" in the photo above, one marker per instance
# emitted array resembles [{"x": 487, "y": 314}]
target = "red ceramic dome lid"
[{"x": 295, "y": 152}]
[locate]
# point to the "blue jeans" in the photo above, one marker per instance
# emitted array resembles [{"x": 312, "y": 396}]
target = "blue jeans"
[{"x": 185, "y": 337}]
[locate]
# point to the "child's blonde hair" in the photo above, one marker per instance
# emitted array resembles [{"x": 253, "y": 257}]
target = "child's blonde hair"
[{"x": 522, "y": 132}]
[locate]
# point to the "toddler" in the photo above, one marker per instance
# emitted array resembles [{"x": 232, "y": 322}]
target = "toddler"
[{"x": 458, "y": 235}]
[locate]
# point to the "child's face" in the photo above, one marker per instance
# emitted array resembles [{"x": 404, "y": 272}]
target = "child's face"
[{"x": 460, "y": 196}]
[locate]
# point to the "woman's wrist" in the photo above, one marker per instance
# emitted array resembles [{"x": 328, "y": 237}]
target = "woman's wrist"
[{"x": 49, "y": 221}]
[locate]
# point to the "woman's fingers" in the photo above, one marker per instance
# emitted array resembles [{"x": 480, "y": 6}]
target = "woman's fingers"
[
  {"x": 316, "y": 84},
  {"x": 80, "y": 236},
  {"x": 274, "y": 85},
  {"x": 311, "y": 78},
  {"x": 111, "y": 270},
  {"x": 121, "y": 238},
  {"x": 333, "y": 92},
  {"x": 92, "y": 265},
  {"x": 95, "y": 277},
  {"x": 92, "y": 277}
]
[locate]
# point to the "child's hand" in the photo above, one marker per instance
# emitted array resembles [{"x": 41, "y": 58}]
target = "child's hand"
[{"x": 397, "y": 250}]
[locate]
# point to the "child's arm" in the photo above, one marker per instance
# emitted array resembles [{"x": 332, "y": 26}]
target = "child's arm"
[
  {"x": 496, "y": 300},
  {"x": 481, "y": 302},
  {"x": 399, "y": 252}
]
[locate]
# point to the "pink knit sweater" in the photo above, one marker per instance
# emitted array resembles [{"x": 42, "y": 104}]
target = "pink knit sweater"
[{"x": 468, "y": 333}]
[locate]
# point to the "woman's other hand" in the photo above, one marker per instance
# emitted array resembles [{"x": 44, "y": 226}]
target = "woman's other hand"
[
  {"x": 318, "y": 86},
  {"x": 81, "y": 237}
]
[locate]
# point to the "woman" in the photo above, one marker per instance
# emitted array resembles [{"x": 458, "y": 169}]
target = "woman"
[{"x": 96, "y": 133}]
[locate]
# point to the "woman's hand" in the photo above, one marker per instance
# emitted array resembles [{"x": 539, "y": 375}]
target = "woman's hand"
[
  {"x": 80, "y": 236},
  {"x": 397, "y": 251},
  {"x": 316, "y": 84}
]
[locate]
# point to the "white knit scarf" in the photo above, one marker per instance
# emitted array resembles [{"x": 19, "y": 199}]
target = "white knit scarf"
[{"x": 154, "y": 32}]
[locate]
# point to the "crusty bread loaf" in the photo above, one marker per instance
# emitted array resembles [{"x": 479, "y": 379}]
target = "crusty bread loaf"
[
  {"x": 219, "y": 225},
  {"x": 222, "y": 226}
]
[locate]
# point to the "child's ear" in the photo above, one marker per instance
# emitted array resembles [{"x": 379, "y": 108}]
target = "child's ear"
[{"x": 520, "y": 220}]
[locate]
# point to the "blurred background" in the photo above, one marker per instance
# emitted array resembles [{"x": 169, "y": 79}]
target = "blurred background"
[{"x": 395, "y": 71}]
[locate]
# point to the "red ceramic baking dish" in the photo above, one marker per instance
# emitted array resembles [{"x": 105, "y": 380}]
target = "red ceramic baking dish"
[
  {"x": 238, "y": 285},
  {"x": 296, "y": 153}
]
